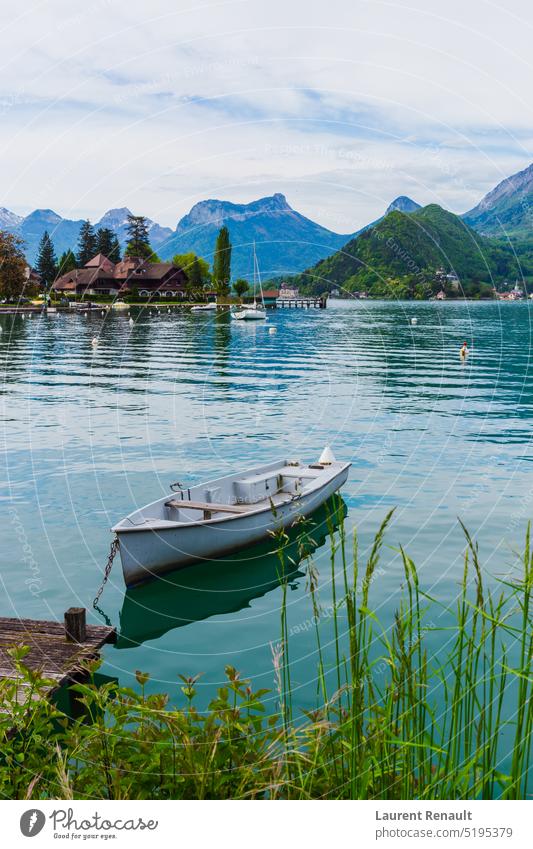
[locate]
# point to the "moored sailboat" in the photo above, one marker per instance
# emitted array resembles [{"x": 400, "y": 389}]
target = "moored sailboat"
[{"x": 255, "y": 311}]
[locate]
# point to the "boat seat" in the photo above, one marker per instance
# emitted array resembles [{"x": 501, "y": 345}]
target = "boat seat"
[
  {"x": 292, "y": 472},
  {"x": 208, "y": 507},
  {"x": 262, "y": 478}
]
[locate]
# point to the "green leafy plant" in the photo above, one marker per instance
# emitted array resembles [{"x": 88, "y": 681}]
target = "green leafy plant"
[{"x": 396, "y": 722}]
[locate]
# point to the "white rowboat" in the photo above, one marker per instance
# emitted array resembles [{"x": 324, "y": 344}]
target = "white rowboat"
[{"x": 224, "y": 515}]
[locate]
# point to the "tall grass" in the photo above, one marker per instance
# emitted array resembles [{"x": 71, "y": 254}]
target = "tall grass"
[{"x": 396, "y": 721}]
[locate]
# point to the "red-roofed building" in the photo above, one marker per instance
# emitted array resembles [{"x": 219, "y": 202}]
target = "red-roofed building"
[{"x": 100, "y": 276}]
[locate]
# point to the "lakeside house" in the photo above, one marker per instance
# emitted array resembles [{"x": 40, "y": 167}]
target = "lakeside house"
[
  {"x": 270, "y": 297},
  {"x": 288, "y": 291},
  {"x": 515, "y": 294},
  {"x": 448, "y": 278},
  {"x": 32, "y": 277},
  {"x": 101, "y": 276}
]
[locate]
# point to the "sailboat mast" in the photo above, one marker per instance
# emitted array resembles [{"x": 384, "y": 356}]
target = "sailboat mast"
[
  {"x": 256, "y": 270},
  {"x": 255, "y": 263}
]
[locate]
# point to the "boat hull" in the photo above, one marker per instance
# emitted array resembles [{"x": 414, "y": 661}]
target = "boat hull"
[
  {"x": 249, "y": 315},
  {"x": 146, "y": 553}
]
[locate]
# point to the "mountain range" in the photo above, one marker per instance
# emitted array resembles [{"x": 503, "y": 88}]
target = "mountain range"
[
  {"x": 404, "y": 253},
  {"x": 507, "y": 210},
  {"x": 286, "y": 241},
  {"x": 283, "y": 236},
  {"x": 65, "y": 231}
]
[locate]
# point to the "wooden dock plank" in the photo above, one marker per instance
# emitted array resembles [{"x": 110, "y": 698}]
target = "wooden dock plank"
[{"x": 50, "y": 651}]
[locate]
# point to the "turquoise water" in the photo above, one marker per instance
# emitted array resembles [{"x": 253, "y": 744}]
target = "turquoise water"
[{"x": 90, "y": 432}]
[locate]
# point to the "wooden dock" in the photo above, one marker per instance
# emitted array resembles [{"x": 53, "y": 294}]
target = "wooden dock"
[
  {"x": 58, "y": 650},
  {"x": 302, "y": 303}
]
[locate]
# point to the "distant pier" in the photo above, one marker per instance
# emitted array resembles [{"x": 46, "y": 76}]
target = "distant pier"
[{"x": 302, "y": 303}]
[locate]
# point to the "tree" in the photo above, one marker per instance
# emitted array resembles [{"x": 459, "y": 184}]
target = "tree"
[
  {"x": 240, "y": 287},
  {"x": 46, "y": 263},
  {"x": 138, "y": 239},
  {"x": 13, "y": 277},
  {"x": 222, "y": 262},
  {"x": 86, "y": 243},
  {"x": 107, "y": 244},
  {"x": 114, "y": 251},
  {"x": 195, "y": 276},
  {"x": 67, "y": 262}
]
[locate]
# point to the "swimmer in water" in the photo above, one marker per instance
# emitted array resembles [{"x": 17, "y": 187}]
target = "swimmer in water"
[{"x": 464, "y": 351}]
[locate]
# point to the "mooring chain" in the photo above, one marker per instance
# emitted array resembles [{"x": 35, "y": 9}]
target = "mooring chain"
[{"x": 107, "y": 571}]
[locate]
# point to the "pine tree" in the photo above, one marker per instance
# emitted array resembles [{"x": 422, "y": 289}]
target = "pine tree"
[
  {"x": 67, "y": 262},
  {"x": 107, "y": 244},
  {"x": 103, "y": 238},
  {"x": 138, "y": 240},
  {"x": 114, "y": 249},
  {"x": 222, "y": 262},
  {"x": 195, "y": 274},
  {"x": 12, "y": 266},
  {"x": 46, "y": 264},
  {"x": 86, "y": 243}
]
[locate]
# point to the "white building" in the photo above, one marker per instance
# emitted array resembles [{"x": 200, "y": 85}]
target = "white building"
[{"x": 288, "y": 291}]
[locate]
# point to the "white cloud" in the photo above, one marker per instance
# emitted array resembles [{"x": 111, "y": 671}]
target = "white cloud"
[{"x": 341, "y": 105}]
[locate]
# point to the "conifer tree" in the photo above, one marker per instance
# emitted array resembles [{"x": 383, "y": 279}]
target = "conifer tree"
[
  {"x": 222, "y": 262},
  {"x": 86, "y": 243},
  {"x": 103, "y": 237},
  {"x": 67, "y": 262},
  {"x": 195, "y": 274},
  {"x": 114, "y": 249},
  {"x": 138, "y": 239}
]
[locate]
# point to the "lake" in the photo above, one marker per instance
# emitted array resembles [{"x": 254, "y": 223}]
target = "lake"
[{"x": 90, "y": 432}]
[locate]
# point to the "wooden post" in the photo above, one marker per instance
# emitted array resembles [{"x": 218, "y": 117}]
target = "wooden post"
[{"x": 75, "y": 625}]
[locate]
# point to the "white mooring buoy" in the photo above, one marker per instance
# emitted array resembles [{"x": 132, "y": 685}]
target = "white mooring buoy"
[
  {"x": 272, "y": 330},
  {"x": 414, "y": 321}
]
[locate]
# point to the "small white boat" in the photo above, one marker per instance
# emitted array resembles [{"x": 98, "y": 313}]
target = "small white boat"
[
  {"x": 224, "y": 515},
  {"x": 210, "y": 307},
  {"x": 255, "y": 311}
]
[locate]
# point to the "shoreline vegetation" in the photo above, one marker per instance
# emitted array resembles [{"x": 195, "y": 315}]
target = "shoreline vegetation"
[
  {"x": 420, "y": 255},
  {"x": 393, "y": 719}
]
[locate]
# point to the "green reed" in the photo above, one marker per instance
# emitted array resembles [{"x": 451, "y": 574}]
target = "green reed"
[{"x": 397, "y": 721}]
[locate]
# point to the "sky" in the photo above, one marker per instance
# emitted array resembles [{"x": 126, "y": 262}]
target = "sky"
[{"x": 340, "y": 105}]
